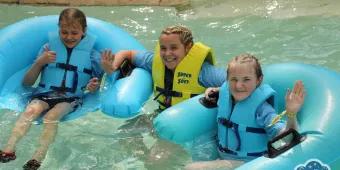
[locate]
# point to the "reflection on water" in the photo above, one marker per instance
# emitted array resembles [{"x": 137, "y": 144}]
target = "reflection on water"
[{"x": 277, "y": 31}]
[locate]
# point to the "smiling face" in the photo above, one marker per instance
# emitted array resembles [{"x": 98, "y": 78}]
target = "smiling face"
[
  {"x": 72, "y": 26},
  {"x": 172, "y": 50},
  {"x": 70, "y": 34},
  {"x": 243, "y": 78},
  {"x": 175, "y": 42}
]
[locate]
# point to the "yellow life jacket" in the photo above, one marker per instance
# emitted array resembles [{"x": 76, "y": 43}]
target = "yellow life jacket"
[{"x": 185, "y": 79}]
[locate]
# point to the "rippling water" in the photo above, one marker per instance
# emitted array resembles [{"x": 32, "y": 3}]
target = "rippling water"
[{"x": 304, "y": 31}]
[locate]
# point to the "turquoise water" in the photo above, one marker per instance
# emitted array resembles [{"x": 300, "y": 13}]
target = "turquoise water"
[{"x": 275, "y": 31}]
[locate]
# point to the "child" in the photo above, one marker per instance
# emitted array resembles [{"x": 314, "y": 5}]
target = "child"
[
  {"x": 180, "y": 68},
  {"x": 245, "y": 102},
  {"x": 68, "y": 65}
]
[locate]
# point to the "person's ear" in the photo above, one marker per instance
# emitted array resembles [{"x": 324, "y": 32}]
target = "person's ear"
[{"x": 188, "y": 47}]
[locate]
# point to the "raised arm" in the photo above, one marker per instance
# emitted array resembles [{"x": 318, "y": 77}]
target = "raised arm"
[
  {"x": 121, "y": 56},
  {"x": 294, "y": 101},
  {"x": 33, "y": 73},
  {"x": 111, "y": 62}
]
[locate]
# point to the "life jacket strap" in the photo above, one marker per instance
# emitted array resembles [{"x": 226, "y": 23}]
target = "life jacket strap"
[
  {"x": 226, "y": 150},
  {"x": 63, "y": 88},
  {"x": 229, "y": 124},
  {"x": 255, "y": 130},
  {"x": 70, "y": 67},
  {"x": 166, "y": 92}
]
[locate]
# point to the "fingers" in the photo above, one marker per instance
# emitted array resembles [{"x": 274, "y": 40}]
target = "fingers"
[
  {"x": 94, "y": 79},
  {"x": 301, "y": 89},
  {"x": 297, "y": 87},
  {"x": 51, "y": 56},
  {"x": 107, "y": 55},
  {"x": 107, "y": 61},
  {"x": 298, "y": 90},
  {"x": 46, "y": 48},
  {"x": 93, "y": 84},
  {"x": 288, "y": 94},
  {"x": 295, "y": 98},
  {"x": 209, "y": 93}
]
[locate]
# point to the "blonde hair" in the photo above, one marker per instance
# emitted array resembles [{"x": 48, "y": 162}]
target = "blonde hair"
[
  {"x": 184, "y": 33},
  {"x": 246, "y": 58}
]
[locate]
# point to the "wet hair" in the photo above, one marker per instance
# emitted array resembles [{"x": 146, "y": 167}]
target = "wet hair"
[
  {"x": 246, "y": 58},
  {"x": 184, "y": 33},
  {"x": 71, "y": 15}
]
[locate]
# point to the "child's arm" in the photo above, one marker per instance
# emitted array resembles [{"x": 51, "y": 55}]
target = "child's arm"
[
  {"x": 121, "y": 56},
  {"x": 294, "y": 101},
  {"x": 111, "y": 62},
  {"x": 33, "y": 73}
]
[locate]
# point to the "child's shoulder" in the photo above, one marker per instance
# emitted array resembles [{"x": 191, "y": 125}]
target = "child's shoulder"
[{"x": 265, "y": 107}]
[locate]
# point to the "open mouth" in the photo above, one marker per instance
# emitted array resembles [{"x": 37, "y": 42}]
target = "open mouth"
[{"x": 169, "y": 59}]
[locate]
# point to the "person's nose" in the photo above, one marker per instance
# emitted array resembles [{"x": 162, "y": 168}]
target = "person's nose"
[
  {"x": 69, "y": 36},
  {"x": 167, "y": 52},
  {"x": 239, "y": 84}
]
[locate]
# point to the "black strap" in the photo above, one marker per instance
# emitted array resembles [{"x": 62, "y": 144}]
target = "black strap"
[
  {"x": 88, "y": 71},
  {"x": 255, "y": 130},
  {"x": 234, "y": 127},
  {"x": 193, "y": 95},
  {"x": 254, "y": 154},
  {"x": 226, "y": 150},
  {"x": 229, "y": 124},
  {"x": 67, "y": 67},
  {"x": 165, "y": 92},
  {"x": 70, "y": 67},
  {"x": 162, "y": 104},
  {"x": 237, "y": 133},
  {"x": 62, "y": 89}
]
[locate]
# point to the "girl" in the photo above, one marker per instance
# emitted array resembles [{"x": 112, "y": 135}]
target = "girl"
[
  {"x": 245, "y": 114},
  {"x": 68, "y": 64},
  {"x": 180, "y": 68}
]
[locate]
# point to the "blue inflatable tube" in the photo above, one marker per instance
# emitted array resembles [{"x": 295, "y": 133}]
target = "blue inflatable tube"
[
  {"x": 21, "y": 41},
  {"x": 318, "y": 119},
  {"x": 185, "y": 121},
  {"x": 125, "y": 97}
]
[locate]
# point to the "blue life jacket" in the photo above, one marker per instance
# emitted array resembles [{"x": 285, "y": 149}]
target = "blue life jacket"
[
  {"x": 238, "y": 132},
  {"x": 75, "y": 70}
]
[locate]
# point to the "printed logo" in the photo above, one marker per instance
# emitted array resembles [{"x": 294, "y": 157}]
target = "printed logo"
[
  {"x": 183, "y": 78},
  {"x": 312, "y": 164}
]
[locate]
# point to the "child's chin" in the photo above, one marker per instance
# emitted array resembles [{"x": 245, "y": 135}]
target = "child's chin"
[
  {"x": 70, "y": 45},
  {"x": 238, "y": 99},
  {"x": 170, "y": 67}
]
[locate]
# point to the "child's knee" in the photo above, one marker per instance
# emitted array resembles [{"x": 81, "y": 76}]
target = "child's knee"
[
  {"x": 51, "y": 119},
  {"x": 30, "y": 114}
]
